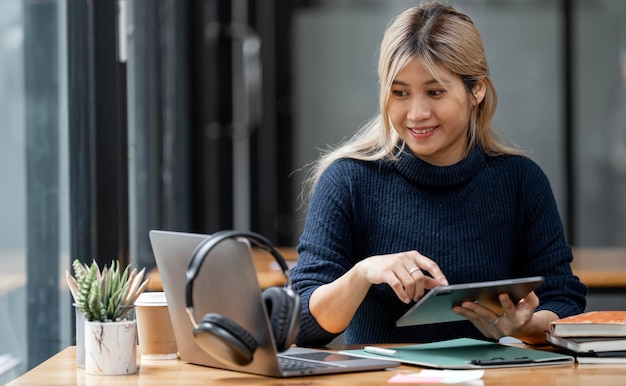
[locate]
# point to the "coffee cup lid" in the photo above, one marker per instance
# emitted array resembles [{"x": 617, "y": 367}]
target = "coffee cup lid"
[{"x": 151, "y": 299}]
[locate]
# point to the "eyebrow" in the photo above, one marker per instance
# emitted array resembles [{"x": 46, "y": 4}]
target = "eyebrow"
[{"x": 427, "y": 83}]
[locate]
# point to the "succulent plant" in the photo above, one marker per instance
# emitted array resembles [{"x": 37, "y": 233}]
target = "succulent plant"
[{"x": 106, "y": 295}]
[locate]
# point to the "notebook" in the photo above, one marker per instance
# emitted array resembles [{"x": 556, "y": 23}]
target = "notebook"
[
  {"x": 466, "y": 353},
  {"x": 227, "y": 284}
]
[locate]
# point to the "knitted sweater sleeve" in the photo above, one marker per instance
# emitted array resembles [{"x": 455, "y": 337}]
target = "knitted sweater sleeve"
[
  {"x": 324, "y": 248},
  {"x": 546, "y": 250}
]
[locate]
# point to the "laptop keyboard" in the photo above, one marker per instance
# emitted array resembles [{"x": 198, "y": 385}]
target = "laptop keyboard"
[{"x": 287, "y": 363}]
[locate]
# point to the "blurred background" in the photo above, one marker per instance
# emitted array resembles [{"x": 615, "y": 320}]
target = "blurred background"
[{"x": 121, "y": 116}]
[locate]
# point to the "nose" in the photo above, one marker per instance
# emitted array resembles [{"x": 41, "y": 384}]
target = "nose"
[{"x": 419, "y": 109}]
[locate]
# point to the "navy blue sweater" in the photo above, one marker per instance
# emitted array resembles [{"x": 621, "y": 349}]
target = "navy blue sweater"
[{"x": 485, "y": 218}]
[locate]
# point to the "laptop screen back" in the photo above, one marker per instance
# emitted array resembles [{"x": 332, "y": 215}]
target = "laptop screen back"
[{"x": 226, "y": 284}]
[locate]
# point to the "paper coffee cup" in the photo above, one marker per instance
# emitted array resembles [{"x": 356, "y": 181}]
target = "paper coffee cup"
[{"x": 154, "y": 328}]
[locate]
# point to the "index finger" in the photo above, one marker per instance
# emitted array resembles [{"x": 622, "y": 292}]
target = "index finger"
[
  {"x": 437, "y": 277},
  {"x": 508, "y": 307}
]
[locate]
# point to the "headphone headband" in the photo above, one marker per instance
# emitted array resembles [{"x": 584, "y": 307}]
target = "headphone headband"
[{"x": 204, "y": 248}]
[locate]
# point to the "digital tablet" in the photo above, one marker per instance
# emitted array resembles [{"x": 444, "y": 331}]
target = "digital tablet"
[{"x": 436, "y": 305}]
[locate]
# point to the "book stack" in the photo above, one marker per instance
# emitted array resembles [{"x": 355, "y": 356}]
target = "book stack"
[{"x": 592, "y": 337}]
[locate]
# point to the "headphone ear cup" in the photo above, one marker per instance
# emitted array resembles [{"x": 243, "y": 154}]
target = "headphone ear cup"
[
  {"x": 225, "y": 339},
  {"x": 283, "y": 308}
]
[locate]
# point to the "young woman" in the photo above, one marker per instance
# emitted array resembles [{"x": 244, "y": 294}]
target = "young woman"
[{"x": 426, "y": 194}]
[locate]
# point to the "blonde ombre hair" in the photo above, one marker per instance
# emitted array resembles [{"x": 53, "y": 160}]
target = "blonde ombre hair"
[{"x": 439, "y": 36}]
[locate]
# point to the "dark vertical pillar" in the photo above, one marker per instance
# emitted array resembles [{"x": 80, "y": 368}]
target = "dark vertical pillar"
[
  {"x": 569, "y": 98},
  {"x": 42, "y": 179},
  {"x": 81, "y": 235},
  {"x": 158, "y": 126},
  {"x": 97, "y": 134},
  {"x": 273, "y": 164},
  {"x": 211, "y": 178},
  {"x": 145, "y": 127},
  {"x": 110, "y": 137}
]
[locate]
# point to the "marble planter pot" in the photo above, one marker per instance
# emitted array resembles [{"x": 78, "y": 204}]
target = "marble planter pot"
[{"x": 111, "y": 347}]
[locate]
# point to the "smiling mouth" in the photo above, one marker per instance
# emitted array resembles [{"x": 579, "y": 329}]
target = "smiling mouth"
[{"x": 422, "y": 131}]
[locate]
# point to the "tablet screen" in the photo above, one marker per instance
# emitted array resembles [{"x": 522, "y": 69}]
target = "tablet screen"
[{"x": 436, "y": 305}]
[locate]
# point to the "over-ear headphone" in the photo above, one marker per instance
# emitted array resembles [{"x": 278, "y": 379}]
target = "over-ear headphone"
[{"x": 222, "y": 337}]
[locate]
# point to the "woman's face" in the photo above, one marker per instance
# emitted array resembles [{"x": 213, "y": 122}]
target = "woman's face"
[{"x": 432, "y": 118}]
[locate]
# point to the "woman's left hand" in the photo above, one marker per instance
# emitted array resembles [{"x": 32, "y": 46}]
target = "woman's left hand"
[{"x": 510, "y": 322}]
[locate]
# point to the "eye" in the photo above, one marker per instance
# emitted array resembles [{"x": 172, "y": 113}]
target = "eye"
[
  {"x": 435, "y": 93},
  {"x": 399, "y": 93}
]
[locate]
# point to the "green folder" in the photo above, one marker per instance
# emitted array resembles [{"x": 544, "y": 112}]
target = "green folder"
[{"x": 465, "y": 353}]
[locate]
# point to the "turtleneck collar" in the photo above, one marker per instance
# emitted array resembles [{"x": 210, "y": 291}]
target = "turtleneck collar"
[{"x": 425, "y": 174}]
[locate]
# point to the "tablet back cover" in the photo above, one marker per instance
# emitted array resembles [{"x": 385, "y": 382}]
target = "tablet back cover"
[{"x": 436, "y": 305}]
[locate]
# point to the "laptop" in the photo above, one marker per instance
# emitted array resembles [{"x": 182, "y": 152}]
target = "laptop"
[{"x": 227, "y": 284}]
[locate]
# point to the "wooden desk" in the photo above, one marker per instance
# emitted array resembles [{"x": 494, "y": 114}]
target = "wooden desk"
[
  {"x": 267, "y": 269},
  {"x": 596, "y": 267},
  {"x": 600, "y": 267},
  {"x": 61, "y": 370}
]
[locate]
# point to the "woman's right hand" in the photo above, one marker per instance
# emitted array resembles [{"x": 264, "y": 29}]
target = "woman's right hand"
[
  {"x": 333, "y": 305},
  {"x": 403, "y": 272}
]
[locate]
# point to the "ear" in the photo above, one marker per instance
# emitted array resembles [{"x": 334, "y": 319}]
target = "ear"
[{"x": 479, "y": 90}]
